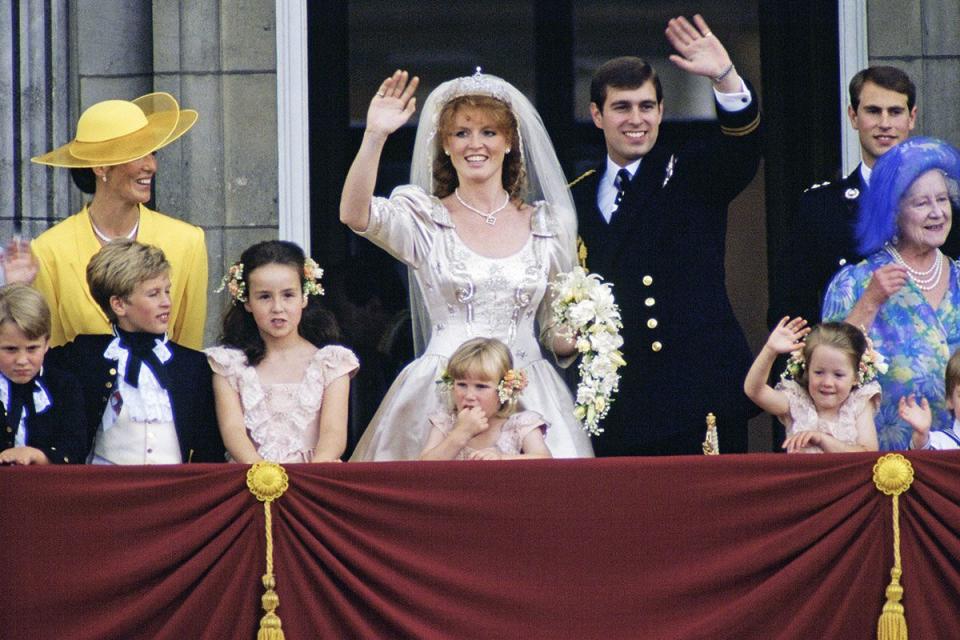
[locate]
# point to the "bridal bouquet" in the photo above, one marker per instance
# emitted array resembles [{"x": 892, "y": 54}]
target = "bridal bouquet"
[{"x": 585, "y": 304}]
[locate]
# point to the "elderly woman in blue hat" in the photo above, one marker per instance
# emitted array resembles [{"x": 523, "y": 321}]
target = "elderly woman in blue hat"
[
  {"x": 114, "y": 157},
  {"x": 906, "y": 293}
]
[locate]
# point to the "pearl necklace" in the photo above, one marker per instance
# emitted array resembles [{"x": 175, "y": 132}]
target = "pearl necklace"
[
  {"x": 925, "y": 280},
  {"x": 107, "y": 239},
  {"x": 491, "y": 217}
]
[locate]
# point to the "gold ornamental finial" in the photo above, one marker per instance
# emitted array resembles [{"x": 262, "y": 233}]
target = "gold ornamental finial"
[{"x": 711, "y": 445}]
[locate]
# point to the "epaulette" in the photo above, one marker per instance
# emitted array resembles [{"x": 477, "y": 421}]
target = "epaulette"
[
  {"x": 817, "y": 185},
  {"x": 584, "y": 175}
]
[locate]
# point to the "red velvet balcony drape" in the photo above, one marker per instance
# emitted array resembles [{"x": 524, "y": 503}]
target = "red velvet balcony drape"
[{"x": 756, "y": 546}]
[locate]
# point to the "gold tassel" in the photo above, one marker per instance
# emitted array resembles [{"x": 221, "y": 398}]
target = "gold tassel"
[
  {"x": 893, "y": 474},
  {"x": 267, "y": 481}
]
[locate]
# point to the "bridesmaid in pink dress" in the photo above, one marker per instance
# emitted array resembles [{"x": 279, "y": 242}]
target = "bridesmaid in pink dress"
[{"x": 281, "y": 389}]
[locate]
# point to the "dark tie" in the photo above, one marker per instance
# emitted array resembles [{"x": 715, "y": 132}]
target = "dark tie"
[
  {"x": 620, "y": 182},
  {"x": 21, "y": 398},
  {"x": 139, "y": 346}
]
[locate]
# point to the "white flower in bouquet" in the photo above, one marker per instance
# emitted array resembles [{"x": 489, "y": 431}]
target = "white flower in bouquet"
[
  {"x": 585, "y": 304},
  {"x": 581, "y": 313},
  {"x": 605, "y": 342}
]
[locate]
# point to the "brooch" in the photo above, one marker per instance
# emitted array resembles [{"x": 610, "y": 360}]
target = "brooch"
[
  {"x": 669, "y": 172},
  {"x": 852, "y": 193}
]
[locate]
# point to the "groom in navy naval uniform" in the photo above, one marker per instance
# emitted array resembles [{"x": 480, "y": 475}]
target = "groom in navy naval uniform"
[{"x": 653, "y": 222}]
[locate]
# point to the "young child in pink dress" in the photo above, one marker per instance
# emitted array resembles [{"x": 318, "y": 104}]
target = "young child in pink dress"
[
  {"x": 828, "y": 395},
  {"x": 281, "y": 389},
  {"x": 483, "y": 422}
]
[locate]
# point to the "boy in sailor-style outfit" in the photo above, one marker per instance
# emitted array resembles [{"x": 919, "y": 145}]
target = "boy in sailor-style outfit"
[
  {"x": 40, "y": 408},
  {"x": 148, "y": 400}
]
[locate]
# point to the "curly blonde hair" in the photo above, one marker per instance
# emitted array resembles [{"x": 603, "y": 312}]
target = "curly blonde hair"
[{"x": 514, "y": 173}]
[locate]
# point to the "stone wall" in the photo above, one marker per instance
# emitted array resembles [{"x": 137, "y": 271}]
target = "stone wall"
[
  {"x": 220, "y": 59},
  {"x": 921, "y": 38}
]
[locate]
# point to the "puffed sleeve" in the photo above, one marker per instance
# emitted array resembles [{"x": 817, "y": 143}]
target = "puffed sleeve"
[
  {"x": 869, "y": 393},
  {"x": 334, "y": 361},
  {"x": 527, "y": 421},
  {"x": 227, "y": 362},
  {"x": 190, "y": 323},
  {"x": 405, "y": 224},
  {"x": 560, "y": 258},
  {"x": 802, "y": 413},
  {"x": 842, "y": 294},
  {"x": 519, "y": 425}
]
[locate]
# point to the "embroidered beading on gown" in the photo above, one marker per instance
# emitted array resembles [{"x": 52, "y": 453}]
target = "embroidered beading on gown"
[
  {"x": 803, "y": 413},
  {"x": 512, "y": 432},
  {"x": 468, "y": 295},
  {"x": 283, "y": 420}
]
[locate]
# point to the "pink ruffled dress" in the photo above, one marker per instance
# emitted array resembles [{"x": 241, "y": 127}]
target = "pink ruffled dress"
[
  {"x": 512, "y": 433},
  {"x": 803, "y": 413},
  {"x": 283, "y": 420}
]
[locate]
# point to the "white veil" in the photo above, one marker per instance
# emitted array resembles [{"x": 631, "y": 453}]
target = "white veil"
[{"x": 545, "y": 178}]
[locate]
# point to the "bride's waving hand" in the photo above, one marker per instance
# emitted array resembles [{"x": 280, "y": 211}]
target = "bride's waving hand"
[{"x": 389, "y": 110}]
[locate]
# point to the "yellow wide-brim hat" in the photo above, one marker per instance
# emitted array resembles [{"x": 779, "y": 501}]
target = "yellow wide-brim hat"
[{"x": 117, "y": 131}]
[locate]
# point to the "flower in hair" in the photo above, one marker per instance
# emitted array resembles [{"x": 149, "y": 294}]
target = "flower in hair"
[
  {"x": 512, "y": 385},
  {"x": 311, "y": 278},
  {"x": 445, "y": 381},
  {"x": 795, "y": 365},
  {"x": 872, "y": 364},
  {"x": 233, "y": 282}
]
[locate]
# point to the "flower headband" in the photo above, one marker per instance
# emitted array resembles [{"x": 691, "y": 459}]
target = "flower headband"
[
  {"x": 233, "y": 281},
  {"x": 509, "y": 388},
  {"x": 872, "y": 364}
]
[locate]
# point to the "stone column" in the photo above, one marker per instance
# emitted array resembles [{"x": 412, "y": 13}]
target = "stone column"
[{"x": 35, "y": 113}]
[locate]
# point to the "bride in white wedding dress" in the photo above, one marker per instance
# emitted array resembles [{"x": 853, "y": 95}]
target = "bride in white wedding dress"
[{"x": 487, "y": 223}]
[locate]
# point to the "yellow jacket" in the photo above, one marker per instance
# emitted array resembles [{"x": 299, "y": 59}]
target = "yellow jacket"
[{"x": 64, "y": 250}]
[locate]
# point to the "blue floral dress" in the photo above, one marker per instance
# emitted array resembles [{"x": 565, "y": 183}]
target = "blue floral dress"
[{"x": 916, "y": 340}]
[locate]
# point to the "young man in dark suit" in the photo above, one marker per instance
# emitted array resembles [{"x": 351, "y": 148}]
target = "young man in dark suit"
[{"x": 653, "y": 222}]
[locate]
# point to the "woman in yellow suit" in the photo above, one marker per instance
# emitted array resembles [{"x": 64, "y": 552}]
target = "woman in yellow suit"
[{"x": 113, "y": 157}]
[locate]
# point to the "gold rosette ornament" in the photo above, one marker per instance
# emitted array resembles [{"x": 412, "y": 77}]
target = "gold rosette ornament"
[
  {"x": 267, "y": 481},
  {"x": 893, "y": 474}
]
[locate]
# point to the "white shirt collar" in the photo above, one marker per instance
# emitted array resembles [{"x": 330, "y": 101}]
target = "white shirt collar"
[
  {"x": 613, "y": 168},
  {"x": 865, "y": 173}
]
